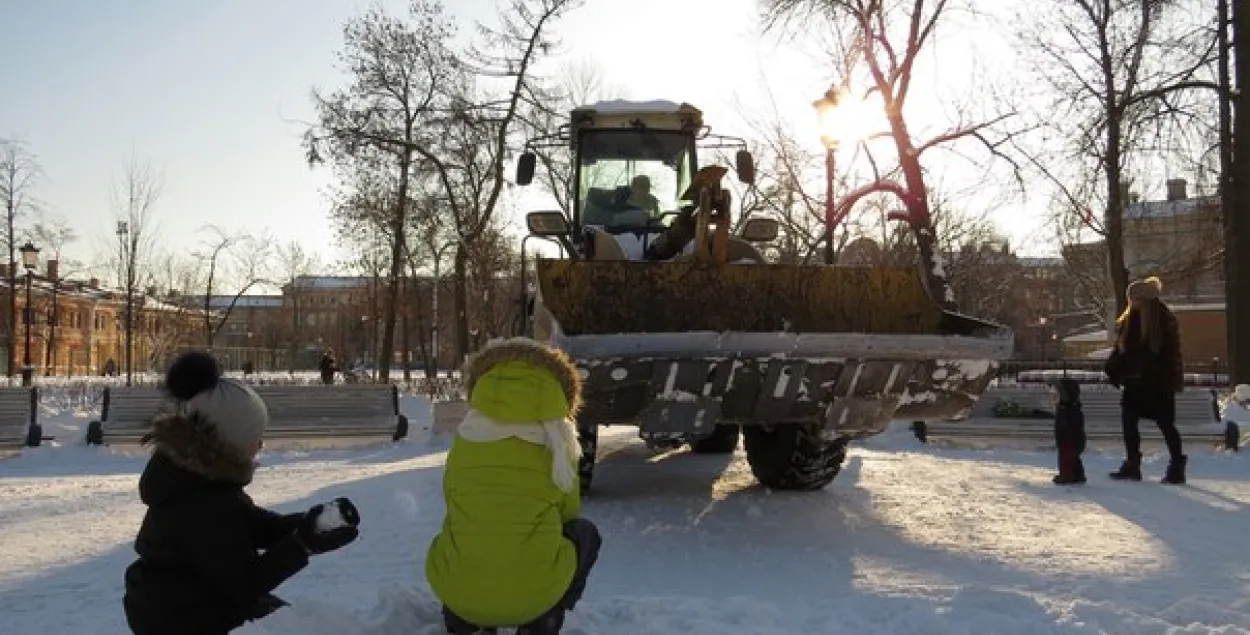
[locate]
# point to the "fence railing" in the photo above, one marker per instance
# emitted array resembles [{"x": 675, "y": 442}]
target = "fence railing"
[
  {"x": 86, "y": 393},
  {"x": 1213, "y": 373}
]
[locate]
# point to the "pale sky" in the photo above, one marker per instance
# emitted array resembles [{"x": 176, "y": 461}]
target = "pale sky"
[{"x": 205, "y": 91}]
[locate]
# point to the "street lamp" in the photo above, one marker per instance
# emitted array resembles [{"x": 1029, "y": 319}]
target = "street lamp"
[
  {"x": 128, "y": 278},
  {"x": 30, "y": 260},
  {"x": 826, "y": 109}
]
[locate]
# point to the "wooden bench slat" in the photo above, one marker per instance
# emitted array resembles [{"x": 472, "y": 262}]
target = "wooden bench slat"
[
  {"x": 294, "y": 411},
  {"x": 16, "y": 416}
]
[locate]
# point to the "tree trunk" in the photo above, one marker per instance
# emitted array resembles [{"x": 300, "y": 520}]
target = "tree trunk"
[
  {"x": 406, "y": 334},
  {"x": 49, "y": 362},
  {"x": 1236, "y": 229},
  {"x": 936, "y": 277},
  {"x": 460, "y": 302},
  {"x": 398, "y": 221},
  {"x": 130, "y": 325},
  {"x": 1113, "y": 221},
  {"x": 12, "y": 340},
  {"x": 295, "y": 343}
]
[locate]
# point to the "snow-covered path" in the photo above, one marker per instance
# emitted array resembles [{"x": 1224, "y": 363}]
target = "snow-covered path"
[{"x": 909, "y": 540}]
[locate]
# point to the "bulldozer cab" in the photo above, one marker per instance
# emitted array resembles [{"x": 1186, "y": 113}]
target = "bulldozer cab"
[{"x": 632, "y": 167}]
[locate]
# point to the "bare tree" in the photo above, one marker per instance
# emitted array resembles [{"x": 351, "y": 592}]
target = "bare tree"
[
  {"x": 881, "y": 42},
  {"x": 1236, "y": 192},
  {"x": 134, "y": 197},
  {"x": 292, "y": 263},
  {"x": 53, "y": 233},
  {"x": 19, "y": 172},
  {"x": 428, "y": 256},
  {"x": 471, "y": 161},
  {"x": 578, "y": 83},
  {"x": 400, "y": 74},
  {"x": 173, "y": 319},
  {"x": 1126, "y": 84},
  {"x": 233, "y": 261}
]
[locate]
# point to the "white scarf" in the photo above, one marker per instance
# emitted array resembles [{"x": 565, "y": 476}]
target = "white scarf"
[{"x": 559, "y": 435}]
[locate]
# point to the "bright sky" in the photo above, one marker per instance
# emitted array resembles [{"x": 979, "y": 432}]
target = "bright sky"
[{"x": 208, "y": 91}]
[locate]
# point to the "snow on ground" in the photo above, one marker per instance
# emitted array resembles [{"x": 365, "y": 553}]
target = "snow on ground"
[{"x": 909, "y": 539}]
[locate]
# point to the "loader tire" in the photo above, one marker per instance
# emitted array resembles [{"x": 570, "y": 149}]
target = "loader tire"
[
  {"x": 793, "y": 457},
  {"x": 724, "y": 440}
]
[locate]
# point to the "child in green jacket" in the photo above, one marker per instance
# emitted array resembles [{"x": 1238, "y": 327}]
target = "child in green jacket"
[{"x": 513, "y": 549}]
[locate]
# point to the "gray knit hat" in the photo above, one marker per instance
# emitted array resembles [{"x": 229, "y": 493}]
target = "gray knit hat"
[{"x": 234, "y": 411}]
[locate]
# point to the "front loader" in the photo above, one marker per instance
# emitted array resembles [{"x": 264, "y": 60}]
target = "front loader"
[{"x": 680, "y": 327}]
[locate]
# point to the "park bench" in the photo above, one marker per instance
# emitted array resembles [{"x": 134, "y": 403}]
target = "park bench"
[
  {"x": 1197, "y": 418},
  {"x": 448, "y": 414},
  {"x": 295, "y": 412},
  {"x": 19, "y": 408}
]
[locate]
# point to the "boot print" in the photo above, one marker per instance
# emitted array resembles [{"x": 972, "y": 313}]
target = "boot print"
[
  {"x": 1175, "y": 474},
  {"x": 1130, "y": 470}
]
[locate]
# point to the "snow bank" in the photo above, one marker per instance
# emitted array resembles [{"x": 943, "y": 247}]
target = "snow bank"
[{"x": 908, "y": 539}]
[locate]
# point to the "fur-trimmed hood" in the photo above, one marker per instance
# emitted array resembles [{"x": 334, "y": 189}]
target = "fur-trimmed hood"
[
  {"x": 534, "y": 353},
  {"x": 191, "y": 444}
]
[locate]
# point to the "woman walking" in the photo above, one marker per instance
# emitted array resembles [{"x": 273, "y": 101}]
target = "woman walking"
[{"x": 1147, "y": 363}]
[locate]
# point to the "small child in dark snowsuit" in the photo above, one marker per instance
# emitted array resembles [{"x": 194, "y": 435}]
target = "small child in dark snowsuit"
[
  {"x": 210, "y": 558},
  {"x": 1069, "y": 432}
]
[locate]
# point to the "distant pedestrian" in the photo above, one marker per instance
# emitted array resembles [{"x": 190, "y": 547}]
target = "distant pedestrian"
[
  {"x": 1146, "y": 361},
  {"x": 328, "y": 367},
  {"x": 1069, "y": 432}
]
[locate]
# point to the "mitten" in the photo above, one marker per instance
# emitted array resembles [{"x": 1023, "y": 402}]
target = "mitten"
[{"x": 329, "y": 526}]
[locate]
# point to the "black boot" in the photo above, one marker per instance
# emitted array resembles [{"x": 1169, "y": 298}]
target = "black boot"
[
  {"x": 457, "y": 626},
  {"x": 549, "y": 623},
  {"x": 1175, "y": 474},
  {"x": 1071, "y": 471},
  {"x": 1130, "y": 469}
]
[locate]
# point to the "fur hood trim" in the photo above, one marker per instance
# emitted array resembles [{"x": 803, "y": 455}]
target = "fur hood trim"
[
  {"x": 523, "y": 349},
  {"x": 191, "y": 443}
]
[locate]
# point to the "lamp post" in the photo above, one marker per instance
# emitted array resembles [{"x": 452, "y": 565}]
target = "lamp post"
[
  {"x": 30, "y": 260},
  {"x": 826, "y": 108},
  {"x": 127, "y": 277},
  {"x": 50, "y": 360}
]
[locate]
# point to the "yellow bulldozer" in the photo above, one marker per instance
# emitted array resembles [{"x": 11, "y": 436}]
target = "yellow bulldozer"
[{"x": 681, "y": 327}]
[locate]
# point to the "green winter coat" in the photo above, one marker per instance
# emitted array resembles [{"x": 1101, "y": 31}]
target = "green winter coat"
[{"x": 501, "y": 558}]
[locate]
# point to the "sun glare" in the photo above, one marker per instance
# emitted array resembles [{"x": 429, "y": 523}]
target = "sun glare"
[{"x": 846, "y": 120}]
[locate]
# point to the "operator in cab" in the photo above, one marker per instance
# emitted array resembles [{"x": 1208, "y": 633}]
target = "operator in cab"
[{"x": 640, "y": 196}]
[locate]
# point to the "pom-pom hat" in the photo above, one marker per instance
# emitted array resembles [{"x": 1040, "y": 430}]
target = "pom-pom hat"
[{"x": 230, "y": 407}]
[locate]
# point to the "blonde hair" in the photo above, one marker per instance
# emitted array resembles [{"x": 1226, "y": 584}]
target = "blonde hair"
[{"x": 1148, "y": 326}]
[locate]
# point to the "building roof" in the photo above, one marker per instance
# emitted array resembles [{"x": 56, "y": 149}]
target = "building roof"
[
  {"x": 1040, "y": 262},
  {"x": 332, "y": 282},
  {"x": 242, "y": 302},
  {"x": 1166, "y": 209}
]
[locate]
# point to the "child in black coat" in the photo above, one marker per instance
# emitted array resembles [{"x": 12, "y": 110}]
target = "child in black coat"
[
  {"x": 1069, "y": 432},
  {"x": 199, "y": 571}
]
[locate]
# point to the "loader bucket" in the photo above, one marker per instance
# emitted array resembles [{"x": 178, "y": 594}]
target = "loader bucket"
[
  {"x": 602, "y": 297},
  {"x": 679, "y": 346}
]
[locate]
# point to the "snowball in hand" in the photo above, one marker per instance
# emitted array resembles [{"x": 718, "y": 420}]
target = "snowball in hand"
[{"x": 331, "y": 516}]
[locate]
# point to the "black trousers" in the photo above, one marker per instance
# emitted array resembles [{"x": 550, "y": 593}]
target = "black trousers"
[
  {"x": 1141, "y": 401},
  {"x": 586, "y": 542}
]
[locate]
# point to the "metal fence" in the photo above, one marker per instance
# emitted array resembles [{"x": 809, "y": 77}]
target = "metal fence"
[{"x": 1213, "y": 373}]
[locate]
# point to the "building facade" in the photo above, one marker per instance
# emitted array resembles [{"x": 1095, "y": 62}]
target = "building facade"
[
  {"x": 1180, "y": 240},
  {"x": 78, "y": 327}
]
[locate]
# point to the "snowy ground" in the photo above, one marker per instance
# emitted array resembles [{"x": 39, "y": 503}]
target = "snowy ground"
[{"x": 908, "y": 540}]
